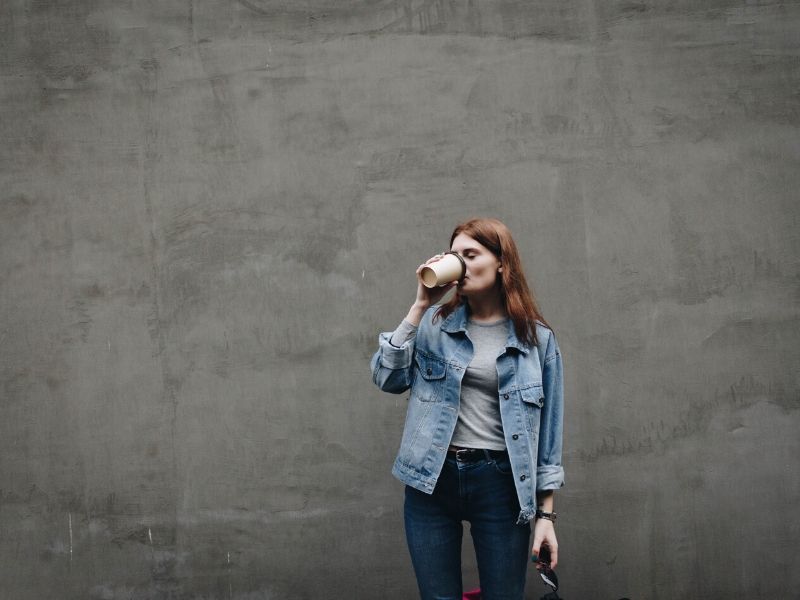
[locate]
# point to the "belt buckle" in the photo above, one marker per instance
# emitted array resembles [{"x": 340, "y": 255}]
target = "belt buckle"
[{"x": 463, "y": 454}]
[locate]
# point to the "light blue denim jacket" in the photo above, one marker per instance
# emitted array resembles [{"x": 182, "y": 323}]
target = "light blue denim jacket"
[{"x": 530, "y": 393}]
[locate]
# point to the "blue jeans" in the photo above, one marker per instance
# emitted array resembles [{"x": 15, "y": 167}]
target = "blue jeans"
[{"x": 482, "y": 493}]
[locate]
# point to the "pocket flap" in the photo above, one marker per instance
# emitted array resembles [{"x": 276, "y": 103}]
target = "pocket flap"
[
  {"x": 533, "y": 394},
  {"x": 429, "y": 367}
]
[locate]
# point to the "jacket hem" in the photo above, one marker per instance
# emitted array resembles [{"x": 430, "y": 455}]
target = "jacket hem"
[{"x": 413, "y": 479}]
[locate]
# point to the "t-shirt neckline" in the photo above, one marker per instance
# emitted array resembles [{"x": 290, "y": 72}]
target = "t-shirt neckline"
[{"x": 489, "y": 324}]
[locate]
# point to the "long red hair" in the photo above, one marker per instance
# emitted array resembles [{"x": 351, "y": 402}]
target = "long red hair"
[{"x": 518, "y": 298}]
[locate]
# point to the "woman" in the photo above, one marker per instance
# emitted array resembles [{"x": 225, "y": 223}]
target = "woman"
[{"x": 482, "y": 438}]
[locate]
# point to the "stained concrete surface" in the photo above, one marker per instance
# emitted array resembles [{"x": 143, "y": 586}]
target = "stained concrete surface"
[{"x": 210, "y": 209}]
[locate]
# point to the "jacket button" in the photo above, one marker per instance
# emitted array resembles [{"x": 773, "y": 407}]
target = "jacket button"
[
  {"x": 505, "y": 396},
  {"x": 430, "y": 371},
  {"x": 523, "y": 477},
  {"x": 515, "y": 437}
]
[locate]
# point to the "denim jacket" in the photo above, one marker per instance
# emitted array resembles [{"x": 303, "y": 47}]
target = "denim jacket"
[{"x": 530, "y": 394}]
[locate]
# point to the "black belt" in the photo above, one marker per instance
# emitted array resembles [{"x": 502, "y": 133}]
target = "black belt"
[{"x": 475, "y": 454}]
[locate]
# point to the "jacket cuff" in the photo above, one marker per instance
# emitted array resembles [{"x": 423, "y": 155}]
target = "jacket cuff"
[
  {"x": 549, "y": 477},
  {"x": 393, "y": 357},
  {"x": 526, "y": 515}
]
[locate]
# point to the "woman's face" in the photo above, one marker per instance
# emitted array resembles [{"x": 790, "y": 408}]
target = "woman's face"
[{"x": 482, "y": 265}]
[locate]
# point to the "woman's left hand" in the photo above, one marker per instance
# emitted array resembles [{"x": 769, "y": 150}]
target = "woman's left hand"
[{"x": 545, "y": 533}]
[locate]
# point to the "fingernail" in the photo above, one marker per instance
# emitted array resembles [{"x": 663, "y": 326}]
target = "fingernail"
[{"x": 534, "y": 558}]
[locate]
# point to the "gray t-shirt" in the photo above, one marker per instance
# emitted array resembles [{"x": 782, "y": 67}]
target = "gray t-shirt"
[{"x": 479, "y": 424}]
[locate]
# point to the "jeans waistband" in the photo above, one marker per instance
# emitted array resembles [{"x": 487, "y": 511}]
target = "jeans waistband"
[{"x": 468, "y": 455}]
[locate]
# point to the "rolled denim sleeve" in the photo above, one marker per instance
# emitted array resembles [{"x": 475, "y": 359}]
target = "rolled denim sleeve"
[
  {"x": 549, "y": 471},
  {"x": 392, "y": 365}
]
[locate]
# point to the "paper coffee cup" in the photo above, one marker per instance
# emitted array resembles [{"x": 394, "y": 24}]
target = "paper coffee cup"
[{"x": 447, "y": 269}]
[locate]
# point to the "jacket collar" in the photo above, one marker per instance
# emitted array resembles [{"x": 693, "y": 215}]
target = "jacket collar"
[{"x": 457, "y": 321}]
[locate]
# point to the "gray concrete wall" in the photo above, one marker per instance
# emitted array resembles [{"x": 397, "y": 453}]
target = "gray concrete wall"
[{"x": 208, "y": 211}]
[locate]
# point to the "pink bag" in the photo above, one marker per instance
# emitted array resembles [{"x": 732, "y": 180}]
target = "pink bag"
[{"x": 473, "y": 595}]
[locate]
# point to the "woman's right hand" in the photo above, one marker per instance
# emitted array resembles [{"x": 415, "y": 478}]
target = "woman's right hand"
[{"x": 429, "y": 296}]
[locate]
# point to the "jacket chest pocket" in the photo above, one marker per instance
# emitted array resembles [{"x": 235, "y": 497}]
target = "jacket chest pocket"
[
  {"x": 532, "y": 402},
  {"x": 429, "y": 381}
]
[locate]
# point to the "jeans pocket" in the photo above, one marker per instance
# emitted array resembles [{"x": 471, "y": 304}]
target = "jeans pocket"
[{"x": 503, "y": 465}]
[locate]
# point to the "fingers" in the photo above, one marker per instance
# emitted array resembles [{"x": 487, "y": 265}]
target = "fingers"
[
  {"x": 429, "y": 261},
  {"x": 540, "y": 540},
  {"x": 433, "y": 259},
  {"x": 537, "y": 545}
]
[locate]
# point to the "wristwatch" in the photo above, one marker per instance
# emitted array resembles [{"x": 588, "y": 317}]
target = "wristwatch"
[{"x": 550, "y": 516}]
